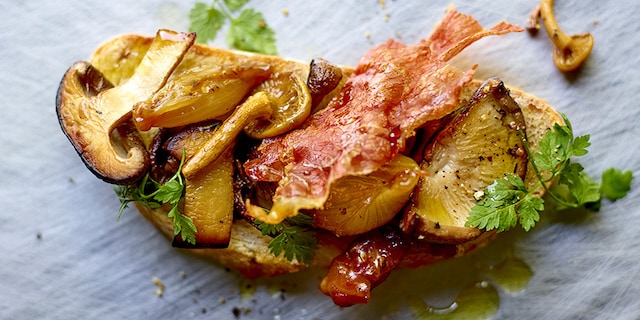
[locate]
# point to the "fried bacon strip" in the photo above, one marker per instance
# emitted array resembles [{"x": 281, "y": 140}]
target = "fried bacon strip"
[{"x": 394, "y": 90}]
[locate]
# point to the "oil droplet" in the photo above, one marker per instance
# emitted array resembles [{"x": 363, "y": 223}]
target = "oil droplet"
[
  {"x": 476, "y": 301},
  {"x": 512, "y": 275},
  {"x": 247, "y": 289}
]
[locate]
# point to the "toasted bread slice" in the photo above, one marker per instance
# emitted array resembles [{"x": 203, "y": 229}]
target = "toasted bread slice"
[{"x": 248, "y": 253}]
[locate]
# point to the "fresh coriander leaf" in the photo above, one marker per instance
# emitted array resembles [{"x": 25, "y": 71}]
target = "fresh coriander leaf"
[
  {"x": 301, "y": 220},
  {"x": 128, "y": 194},
  {"x": 293, "y": 238},
  {"x": 249, "y": 32},
  {"x": 508, "y": 201},
  {"x": 579, "y": 187},
  {"x": 553, "y": 149},
  {"x": 267, "y": 229},
  {"x": 615, "y": 184},
  {"x": 182, "y": 225},
  {"x": 206, "y": 21},
  {"x": 170, "y": 192},
  {"x": 529, "y": 211},
  {"x": 235, "y": 5},
  {"x": 294, "y": 243},
  {"x": 580, "y": 145},
  {"x": 153, "y": 194}
]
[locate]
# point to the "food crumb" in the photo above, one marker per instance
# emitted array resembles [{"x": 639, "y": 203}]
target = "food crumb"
[
  {"x": 367, "y": 34},
  {"x": 182, "y": 275},
  {"x": 382, "y": 4},
  {"x": 160, "y": 286},
  {"x": 386, "y": 17},
  {"x": 222, "y": 300},
  {"x": 285, "y": 12}
]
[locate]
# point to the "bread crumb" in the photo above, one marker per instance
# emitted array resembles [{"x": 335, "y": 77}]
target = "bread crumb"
[
  {"x": 182, "y": 275},
  {"x": 160, "y": 286},
  {"x": 285, "y": 12},
  {"x": 382, "y": 4},
  {"x": 386, "y": 17},
  {"x": 367, "y": 34}
]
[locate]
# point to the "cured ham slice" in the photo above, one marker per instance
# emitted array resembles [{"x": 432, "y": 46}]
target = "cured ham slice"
[{"x": 394, "y": 90}]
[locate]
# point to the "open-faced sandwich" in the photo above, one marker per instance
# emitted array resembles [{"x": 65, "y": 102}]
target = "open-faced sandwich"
[{"x": 269, "y": 165}]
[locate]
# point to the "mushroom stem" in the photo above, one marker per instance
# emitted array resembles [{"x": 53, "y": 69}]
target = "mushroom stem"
[
  {"x": 256, "y": 106},
  {"x": 570, "y": 50}
]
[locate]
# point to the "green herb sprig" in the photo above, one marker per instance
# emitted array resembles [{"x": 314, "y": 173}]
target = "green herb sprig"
[
  {"x": 294, "y": 238},
  {"x": 507, "y": 201},
  {"x": 247, "y": 27},
  {"x": 152, "y": 194}
]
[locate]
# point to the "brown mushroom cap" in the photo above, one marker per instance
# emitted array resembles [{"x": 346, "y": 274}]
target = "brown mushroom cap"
[
  {"x": 115, "y": 156},
  {"x": 570, "y": 50},
  {"x": 96, "y": 116}
]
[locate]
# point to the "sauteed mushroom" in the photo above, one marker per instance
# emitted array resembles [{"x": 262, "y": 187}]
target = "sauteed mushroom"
[
  {"x": 96, "y": 116},
  {"x": 570, "y": 50},
  {"x": 480, "y": 144}
]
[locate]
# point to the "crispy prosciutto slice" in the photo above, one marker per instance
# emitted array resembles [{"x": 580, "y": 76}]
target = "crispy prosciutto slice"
[{"x": 394, "y": 90}]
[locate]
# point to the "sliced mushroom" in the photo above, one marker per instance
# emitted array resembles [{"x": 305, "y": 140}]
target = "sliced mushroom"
[
  {"x": 291, "y": 103},
  {"x": 480, "y": 144},
  {"x": 357, "y": 204},
  {"x": 209, "y": 195},
  {"x": 323, "y": 78},
  {"x": 198, "y": 95},
  {"x": 96, "y": 116},
  {"x": 257, "y": 106}
]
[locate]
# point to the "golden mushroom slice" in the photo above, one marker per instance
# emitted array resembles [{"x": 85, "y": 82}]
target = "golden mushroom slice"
[
  {"x": 291, "y": 102},
  {"x": 481, "y": 143},
  {"x": 256, "y": 106},
  {"x": 357, "y": 204},
  {"x": 96, "y": 116},
  {"x": 198, "y": 95},
  {"x": 208, "y": 199}
]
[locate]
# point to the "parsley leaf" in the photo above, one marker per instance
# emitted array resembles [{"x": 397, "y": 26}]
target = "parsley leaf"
[
  {"x": 206, "y": 21},
  {"x": 294, "y": 238},
  {"x": 507, "y": 201},
  {"x": 153, "y": 194},
  {"x": 247, "y": 30},
  {"x": 235, "y": 5},
  {"x": 615, "y": 183}
]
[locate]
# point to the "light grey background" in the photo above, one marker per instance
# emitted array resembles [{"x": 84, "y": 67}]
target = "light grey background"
[{"x": 63, "y": 255}]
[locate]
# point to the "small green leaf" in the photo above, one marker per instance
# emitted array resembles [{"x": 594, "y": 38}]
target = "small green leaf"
[
  {"x": 235, "y": 5},
  {"x": 580, "y": 145},
  {"x": 170, "y": 192},
  {"x": 206, "y": 21},
  {"x": 183, "y": 225},
  {"x": 250, "y": 32},
  {"x": 293, "y": 238},
  {"x": 615, "y": 183},
  {"x": 529, "y": 212}
]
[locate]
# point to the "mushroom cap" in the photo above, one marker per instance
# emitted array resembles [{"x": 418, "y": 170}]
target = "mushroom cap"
[{"x": 574, "y": 53}]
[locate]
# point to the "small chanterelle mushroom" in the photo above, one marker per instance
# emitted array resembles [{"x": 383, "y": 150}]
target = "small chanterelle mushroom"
[
  {"x": 96, "y": 116},
  {"x": 570, "y": 50}
]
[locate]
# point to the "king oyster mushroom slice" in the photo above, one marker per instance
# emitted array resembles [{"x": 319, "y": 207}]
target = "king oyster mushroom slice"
[
  {"x": 479, "y": 144},
  {"x": 96, "y": 116}
]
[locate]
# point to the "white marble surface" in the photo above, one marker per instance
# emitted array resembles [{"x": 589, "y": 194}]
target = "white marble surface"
[{"x": 63, "y": 255}]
